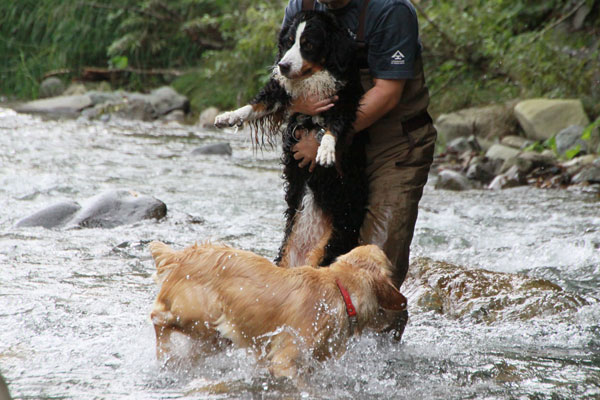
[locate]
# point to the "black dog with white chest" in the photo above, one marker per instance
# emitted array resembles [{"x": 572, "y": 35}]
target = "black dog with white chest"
[{"x": 325, "y": 207}]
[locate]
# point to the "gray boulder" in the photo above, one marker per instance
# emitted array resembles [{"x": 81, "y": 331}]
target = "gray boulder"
[
  {"x": 543, "y": 118},
  {"x": 207, "y": 117},
  {"x": 61, "y": 105},
  {"x": 578, "y": 163},
  {"x": 165, "y": 99},
  {"x": 589, "y": 174},
  {"x": 108, "y": 210},
  {"x": 483, "y": 169},
  {"x": 527, "y": 161},
  {"x": 501, "y": 152},
  {"x": 511, "y": 178},
  {"x": 570, "y": 138},
  {"x": 483, "y": 122},
  {"x": 51, "y": 217},
  {"x": 453, "y": 180},
  {"x": 223, "y": 149},
  {"x": 118, "y": 207},
  {"x": 174, "y": 116},
  {"x": 51, "y": 87},
  {"x": 516, "y": 142}
]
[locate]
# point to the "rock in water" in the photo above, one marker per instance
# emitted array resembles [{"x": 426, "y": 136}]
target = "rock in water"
[
  {"x": 118, "y": 207},
  {"x": 485, "y": 296},
  {"x": 107, "y": 210},
  {"x": 223, "y": 149},
  {"x": 51, "y": 217}
]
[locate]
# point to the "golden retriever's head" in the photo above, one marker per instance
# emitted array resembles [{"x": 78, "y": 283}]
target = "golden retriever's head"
[{"x": 374, "y": 261}]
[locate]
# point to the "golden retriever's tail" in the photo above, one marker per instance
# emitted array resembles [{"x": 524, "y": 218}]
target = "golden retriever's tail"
[{"x": 165, "y": 259}]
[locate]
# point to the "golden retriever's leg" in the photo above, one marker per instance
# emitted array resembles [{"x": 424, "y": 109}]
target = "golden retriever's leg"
[
  {"x": 283, "y": 363},
  {"x": 283, "y": 356},
  {"x": 163, "y": 338}
]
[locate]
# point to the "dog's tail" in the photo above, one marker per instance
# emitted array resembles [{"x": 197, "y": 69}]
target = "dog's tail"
[{"x": 165, "y": 259}]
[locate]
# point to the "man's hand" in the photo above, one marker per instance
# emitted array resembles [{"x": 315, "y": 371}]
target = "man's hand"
[
  {"x": 306, "y": 149},
  {"x": 312, "y": 105}
]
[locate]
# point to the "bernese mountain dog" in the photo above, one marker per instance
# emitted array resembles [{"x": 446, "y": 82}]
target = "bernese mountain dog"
[{"x": 326, "y": 207}]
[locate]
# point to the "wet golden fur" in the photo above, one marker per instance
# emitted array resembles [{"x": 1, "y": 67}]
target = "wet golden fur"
[{"x": 213, "y": 292}]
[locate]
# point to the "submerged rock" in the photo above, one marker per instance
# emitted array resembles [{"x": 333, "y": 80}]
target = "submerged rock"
[
  {"x": 53, "y": 216},
  {"x": 118, "y": 207},
  {"x": 223, "y": 149},
  {"x": 485, "y": 296},
  {"x": 107, "y": 210}
]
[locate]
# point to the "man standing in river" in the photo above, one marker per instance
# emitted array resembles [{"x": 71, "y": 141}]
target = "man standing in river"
[{"x": 394, "y": 109}]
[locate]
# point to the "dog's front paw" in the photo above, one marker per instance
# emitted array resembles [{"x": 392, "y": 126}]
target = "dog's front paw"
[
  {"x": 229, "y": 118},
  {"x": 234, "y": 118},
  {"x": 326, "y": 151}
]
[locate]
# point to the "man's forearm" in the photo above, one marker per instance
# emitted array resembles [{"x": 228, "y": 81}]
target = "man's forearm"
[{"x": 377, "y": 102}]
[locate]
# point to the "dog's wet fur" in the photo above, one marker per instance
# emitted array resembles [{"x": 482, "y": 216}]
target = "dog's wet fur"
[
  {"x": 325, "y": 208},
  {"x": 217, "y": 295}
]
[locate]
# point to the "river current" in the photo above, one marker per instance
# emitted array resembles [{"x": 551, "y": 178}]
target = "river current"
[{"x": 75, "y": 303}]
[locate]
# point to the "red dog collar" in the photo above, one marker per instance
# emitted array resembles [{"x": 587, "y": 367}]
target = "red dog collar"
[{"x": 349, "y": 306}]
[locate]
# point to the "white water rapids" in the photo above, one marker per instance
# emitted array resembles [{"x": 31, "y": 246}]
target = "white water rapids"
[{"x": 74, "y": 303}]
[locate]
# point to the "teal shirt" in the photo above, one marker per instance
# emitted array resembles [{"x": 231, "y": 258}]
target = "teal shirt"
[{"x": 391, "y": 34}]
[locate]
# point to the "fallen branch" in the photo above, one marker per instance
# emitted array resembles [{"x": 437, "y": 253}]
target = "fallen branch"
[{"x": 99, "y": 74}]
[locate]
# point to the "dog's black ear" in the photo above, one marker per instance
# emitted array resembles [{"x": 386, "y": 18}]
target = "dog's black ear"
[
  {"x": 389, "y": 297},
  {"x": 283, "y": 36},
  {"x": 342, "y": 51}
]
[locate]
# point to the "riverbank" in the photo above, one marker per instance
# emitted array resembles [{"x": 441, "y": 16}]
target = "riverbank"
[{"x": 540, "y": 142}]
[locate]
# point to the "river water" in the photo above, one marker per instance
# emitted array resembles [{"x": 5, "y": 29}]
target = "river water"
[{"x": 75, "y": 303}]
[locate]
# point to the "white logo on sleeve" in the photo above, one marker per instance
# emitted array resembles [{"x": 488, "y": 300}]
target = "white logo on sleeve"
[{"x": 398, "y": 58}]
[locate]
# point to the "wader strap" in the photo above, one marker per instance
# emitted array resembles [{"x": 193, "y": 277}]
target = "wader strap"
[
  {"x": 308, "y": 5},
  {"x": 360, "y": 34}
]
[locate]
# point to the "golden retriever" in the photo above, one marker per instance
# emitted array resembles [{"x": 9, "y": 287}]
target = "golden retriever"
[{"x": 214, "y": 292}]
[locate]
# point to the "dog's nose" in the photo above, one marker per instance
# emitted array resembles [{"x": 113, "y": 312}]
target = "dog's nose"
[{"x": 284, "y": 67}]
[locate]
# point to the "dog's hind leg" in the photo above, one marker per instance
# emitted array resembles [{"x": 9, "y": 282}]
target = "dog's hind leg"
[
  {"x": 283, "y": 356},
  {"x": 295, "y": 189}
]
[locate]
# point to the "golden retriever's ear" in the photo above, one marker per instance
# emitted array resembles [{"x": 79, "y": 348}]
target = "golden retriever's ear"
[{"x": 389, "y": 297}]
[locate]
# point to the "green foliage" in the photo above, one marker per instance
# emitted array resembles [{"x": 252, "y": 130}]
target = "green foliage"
[
  {"x": 231, "y": 77},
  {"x": 475, "y": 52},
  {"x": 37, "y": 37},
  {"x": 497, "y": 50}
]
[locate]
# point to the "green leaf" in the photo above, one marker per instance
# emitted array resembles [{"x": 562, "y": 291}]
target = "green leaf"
[
  {"x": 571, "y": 153},
  {"x": 587, "y": 132},
  {"x": 551, "y": 144},
  {"x": 119, "y": 62}
]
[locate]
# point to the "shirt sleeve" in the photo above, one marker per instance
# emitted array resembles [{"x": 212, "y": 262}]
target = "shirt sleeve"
[
  {"x": 293, "y": 7},
  {"x": 394, "y": 44}
]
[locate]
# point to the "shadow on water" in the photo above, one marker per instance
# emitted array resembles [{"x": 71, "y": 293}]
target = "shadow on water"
[{"x": 76, "y": 302}]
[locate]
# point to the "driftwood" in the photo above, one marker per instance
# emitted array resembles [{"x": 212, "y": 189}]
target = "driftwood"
[{"x": 95, "y": 74}]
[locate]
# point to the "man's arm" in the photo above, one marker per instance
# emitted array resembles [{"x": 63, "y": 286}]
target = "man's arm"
[
  {"x": 378, "y": 101},
  {"x": 375, "y": 103}
]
